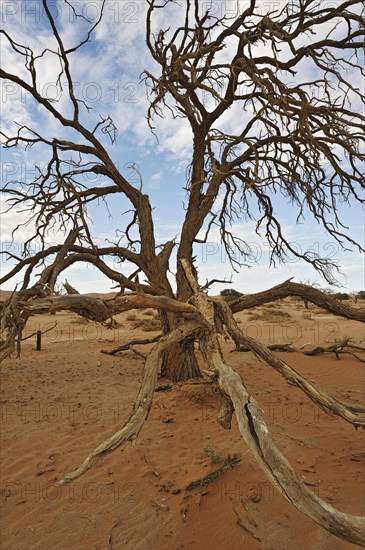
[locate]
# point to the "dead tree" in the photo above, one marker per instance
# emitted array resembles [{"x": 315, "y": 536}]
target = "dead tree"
[{"x": 293, "y": 136}]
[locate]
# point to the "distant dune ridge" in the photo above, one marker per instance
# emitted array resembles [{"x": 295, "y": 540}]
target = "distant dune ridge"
[{"x": 4, "y": 294}]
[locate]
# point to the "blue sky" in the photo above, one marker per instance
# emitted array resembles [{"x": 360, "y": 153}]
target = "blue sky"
[{"x": 107, "y": 76}]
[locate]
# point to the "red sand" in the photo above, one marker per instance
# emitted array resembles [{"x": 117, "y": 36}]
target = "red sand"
[{"x": 57, "y": 405}]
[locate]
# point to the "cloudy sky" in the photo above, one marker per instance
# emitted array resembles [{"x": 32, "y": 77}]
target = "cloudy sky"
[{"x": 107, "y": 76}]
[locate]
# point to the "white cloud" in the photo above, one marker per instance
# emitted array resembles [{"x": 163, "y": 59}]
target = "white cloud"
[
  {"x": 111, "y": 66},
  {"x": 155, "y": 180},
  {"x": 10, "y": 219}
]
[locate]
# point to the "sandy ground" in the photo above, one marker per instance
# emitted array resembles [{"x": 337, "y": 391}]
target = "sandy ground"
[{"x": 60, "y": 403}]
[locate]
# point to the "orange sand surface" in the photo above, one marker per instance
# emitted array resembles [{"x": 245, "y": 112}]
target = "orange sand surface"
[{"x": 57, "y": 405}]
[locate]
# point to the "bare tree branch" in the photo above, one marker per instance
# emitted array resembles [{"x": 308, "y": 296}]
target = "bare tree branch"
[
  {"x": 262, "y": 128},
  {"x": 288, "y": 288},
  {"x": 329, "y": 404},
  {"x": 257, "y": 436}
]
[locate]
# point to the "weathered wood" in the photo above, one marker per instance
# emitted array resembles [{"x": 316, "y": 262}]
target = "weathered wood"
[
  {"x": 328, "y": 403},
  {"x": 288, "y": 288},
  {"x": 271, "y": 347},
  {"x": 257, "y": 436},
  {"x": 337, "y": 349},
  {"x": 70, "y": 289},
  {"x": 242, "y": 169},
  {"x": 101, "y": 310},
  {"x": 228, "y": 464},
  {"x": 142, "y": 404},
  {"x": 127, "y": 346},
  {"x": 225, "y": 413}
]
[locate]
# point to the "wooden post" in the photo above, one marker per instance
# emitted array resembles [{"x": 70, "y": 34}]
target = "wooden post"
[{"x": 39, "y": 340}]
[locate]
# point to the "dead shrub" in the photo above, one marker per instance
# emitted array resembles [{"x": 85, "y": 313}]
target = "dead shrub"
[
  {"x": 148, "y": 312},
  {"x": 273, "y": 316},
  {"x": 307, "y": 314},
  {"x": 147, "y": 325},
  {"x": 131, "y": 317}
]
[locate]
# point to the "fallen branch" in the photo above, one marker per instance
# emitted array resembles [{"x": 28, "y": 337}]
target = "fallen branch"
[
  {"x": 228, "y": 464},
  {"x": 337, "y": 349},
  {"x": 128, "y": 345},
  {"x": 42, "y": 332},
  {"x": 355, "y": 346},
  {"x": 272, "y": 347},
  {"x": 333, "y": 348}
]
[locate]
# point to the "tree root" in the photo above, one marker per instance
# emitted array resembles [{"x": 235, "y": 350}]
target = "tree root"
[
  {"x": 277, "y": 468},
  {"x": 326, "y": 402},
  {"x": 143, "y": 402},
  {"x": 257, "y": 436},
  {"x": 251, "y": 425}
]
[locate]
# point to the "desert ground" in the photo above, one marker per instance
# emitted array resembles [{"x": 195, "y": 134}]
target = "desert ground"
[{"x": 59, "y": 403}]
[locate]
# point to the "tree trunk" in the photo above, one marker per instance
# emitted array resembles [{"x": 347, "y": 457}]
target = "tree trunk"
[{"x": 179, "y": 362}]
